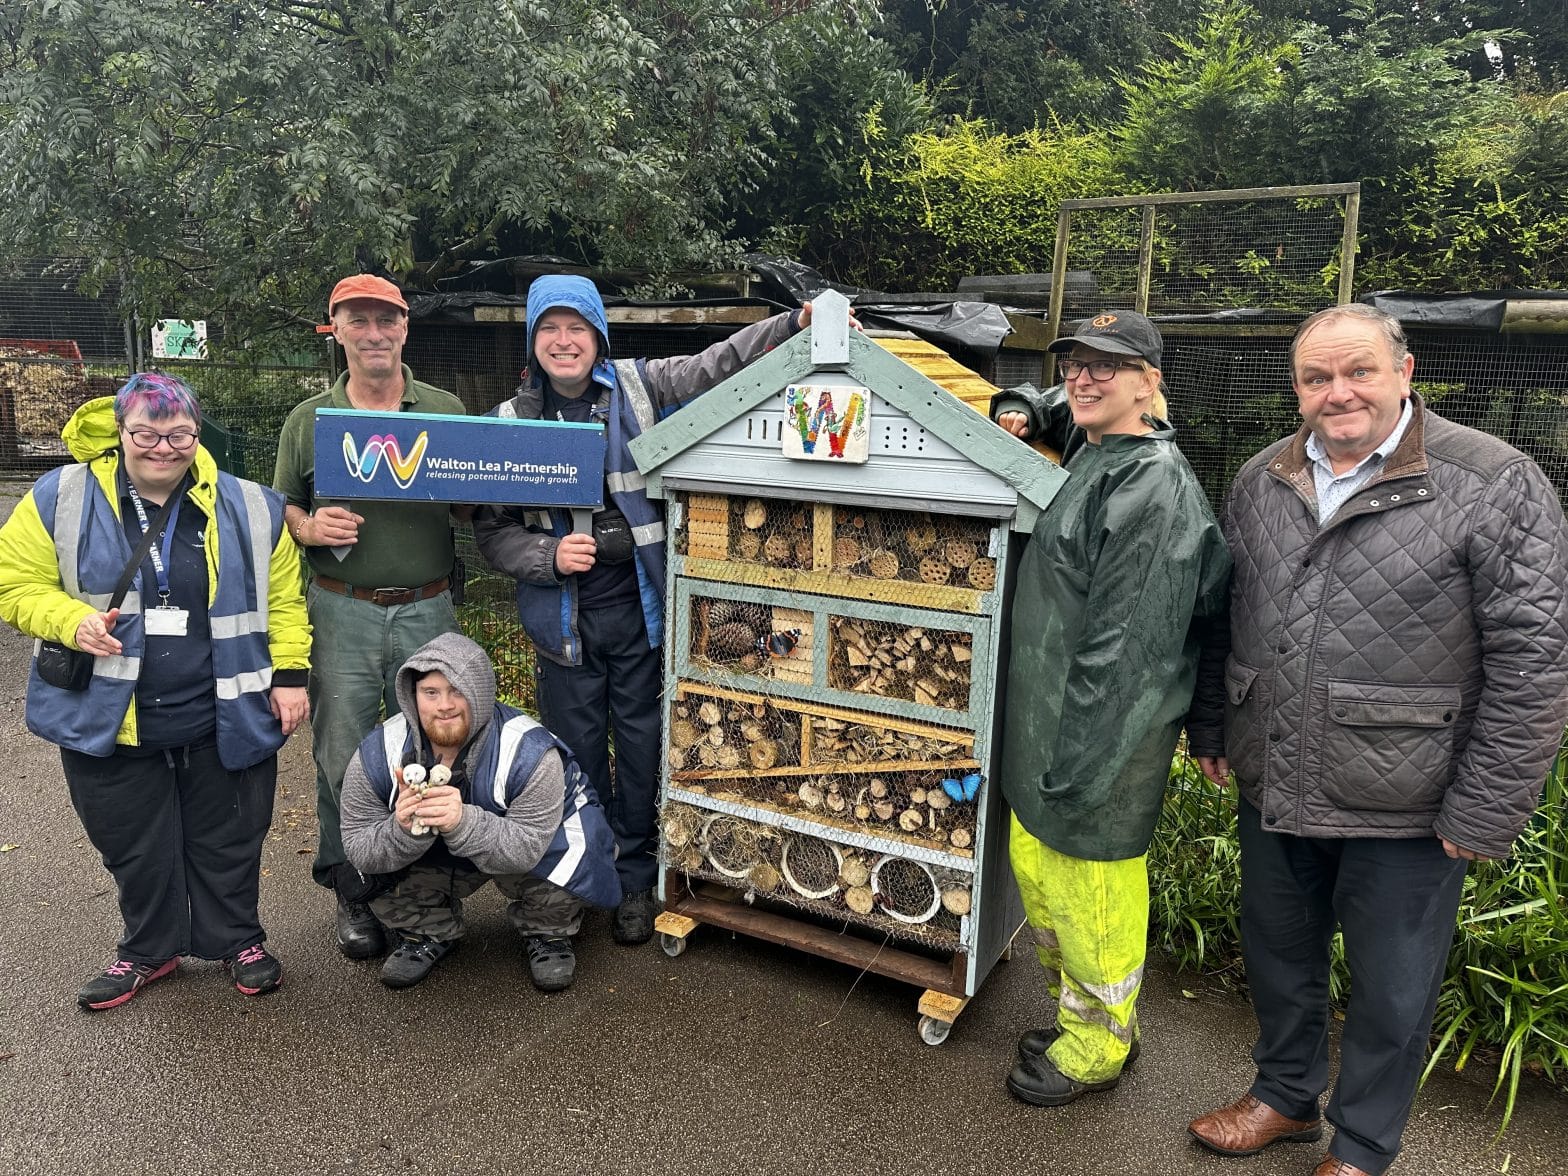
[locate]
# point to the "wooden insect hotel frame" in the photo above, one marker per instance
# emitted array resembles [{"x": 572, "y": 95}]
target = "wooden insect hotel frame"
[{"x": 842, "y": 534}]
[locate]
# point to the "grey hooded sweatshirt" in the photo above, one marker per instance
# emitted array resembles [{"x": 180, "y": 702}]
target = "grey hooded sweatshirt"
[{"x": 376, "y": 844}]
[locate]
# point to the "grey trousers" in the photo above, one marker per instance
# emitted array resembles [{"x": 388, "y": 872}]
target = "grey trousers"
[{"x": 429, "y": 901}]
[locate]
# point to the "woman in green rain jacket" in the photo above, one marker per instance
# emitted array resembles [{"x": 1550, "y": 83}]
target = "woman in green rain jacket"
[{"x": 1122, "y": 569}]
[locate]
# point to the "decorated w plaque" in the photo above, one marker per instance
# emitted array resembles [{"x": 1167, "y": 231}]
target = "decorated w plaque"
[
  {"x": 431, "y": 457},
  {"x": 827, "y": 422}
]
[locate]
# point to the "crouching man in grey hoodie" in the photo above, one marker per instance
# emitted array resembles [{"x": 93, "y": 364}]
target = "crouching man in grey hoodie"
[{"x": 458, "y": 790}]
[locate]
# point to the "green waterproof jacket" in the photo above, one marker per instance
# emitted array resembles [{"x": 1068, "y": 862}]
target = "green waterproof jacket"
[{"x": 1119, "y": 577}]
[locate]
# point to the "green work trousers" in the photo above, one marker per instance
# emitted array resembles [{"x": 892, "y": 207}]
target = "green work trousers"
[
  {"x": 1091, "y": 926},
  {"x": 357, "y": 649}
]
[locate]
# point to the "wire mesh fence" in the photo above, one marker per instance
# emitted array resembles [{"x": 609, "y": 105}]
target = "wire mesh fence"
[
  {"x": 1230, "y": 394},
  {"x": 1197, "y": 253}
]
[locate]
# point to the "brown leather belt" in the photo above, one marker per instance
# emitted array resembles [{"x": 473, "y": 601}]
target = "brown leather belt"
[{"x": 385, "y": 597}]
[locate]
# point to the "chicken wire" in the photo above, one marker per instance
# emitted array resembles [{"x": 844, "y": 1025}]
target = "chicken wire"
[
  {"x": 886, "y": 659},
  {"x": 1230, "y": 393},
  {"x": 918, "y": 548},
  {"x": 913, "y": 807},
  {"x": 897, "y": 896},
  {"x": 1207, "y": 254}
]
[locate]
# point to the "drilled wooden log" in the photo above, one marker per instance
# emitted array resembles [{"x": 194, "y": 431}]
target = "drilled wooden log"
[
  {"x": 960, "y": 552},
  {"x": 935, "y": 570},
  {"x": 982, "y": 574}
]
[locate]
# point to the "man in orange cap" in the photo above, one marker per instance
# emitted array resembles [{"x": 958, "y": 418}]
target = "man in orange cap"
[{"x": 381, "y": 574}]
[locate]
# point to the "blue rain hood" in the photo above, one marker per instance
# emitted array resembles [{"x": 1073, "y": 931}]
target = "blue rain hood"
[{"x": 567, "y": 292}]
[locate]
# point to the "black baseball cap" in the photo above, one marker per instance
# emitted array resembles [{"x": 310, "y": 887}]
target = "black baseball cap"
[{"x": 1118, "y": 332}]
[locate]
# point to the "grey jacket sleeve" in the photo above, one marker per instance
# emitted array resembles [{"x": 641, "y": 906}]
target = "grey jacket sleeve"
[
  {"x": 1518, "y": 556},
  {"x": 673, "y": 381},
  {"x": 513, "y": 844},
  {"x": 517, "y": 542},
  {"x": 372, "y": 839}
]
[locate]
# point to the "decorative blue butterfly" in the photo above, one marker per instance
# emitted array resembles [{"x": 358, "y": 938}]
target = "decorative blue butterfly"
[
  {"x": 778, "y": 644},
  {"x": 964, "y": 792}
]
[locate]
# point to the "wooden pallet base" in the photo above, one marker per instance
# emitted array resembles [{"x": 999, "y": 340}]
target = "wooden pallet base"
[{"x": 940, "y": 1003}]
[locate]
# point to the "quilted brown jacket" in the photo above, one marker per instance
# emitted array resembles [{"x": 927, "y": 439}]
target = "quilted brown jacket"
[{"x": 1403, "y": 671}]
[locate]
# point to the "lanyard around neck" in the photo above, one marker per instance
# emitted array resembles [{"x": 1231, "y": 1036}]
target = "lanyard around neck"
[{"x": 159, "y": 562}]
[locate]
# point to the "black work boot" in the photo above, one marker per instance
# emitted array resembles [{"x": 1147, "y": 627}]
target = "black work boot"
[
  {"x": 633, "y": 922},
  {"x": 360, "y": 934}
]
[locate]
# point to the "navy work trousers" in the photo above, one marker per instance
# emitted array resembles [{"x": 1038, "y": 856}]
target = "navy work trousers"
[
  {"x": 1396, "y": 900},
  {"x": 616, "y": 688},
  {"x": 182, "y": 837}
]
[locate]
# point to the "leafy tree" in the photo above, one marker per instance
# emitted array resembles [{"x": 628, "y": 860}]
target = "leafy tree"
[
  {"x": 1200, "y": 118},
  {"x": 1018, "y": 65},
  {"x": 958, "y": 201},
  {"x": 236, "y": 154}
]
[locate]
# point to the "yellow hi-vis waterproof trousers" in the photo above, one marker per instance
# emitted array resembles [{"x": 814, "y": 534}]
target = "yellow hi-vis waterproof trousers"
[{"x": 1091, "y": 928}]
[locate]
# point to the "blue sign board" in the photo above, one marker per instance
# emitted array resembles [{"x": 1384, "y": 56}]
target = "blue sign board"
[{"x": 429, "y": 457}]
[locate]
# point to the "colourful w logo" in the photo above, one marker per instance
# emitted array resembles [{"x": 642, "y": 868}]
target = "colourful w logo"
[
  {"x": 824, "y": 420},
  {"x": 362, "y": 464}
]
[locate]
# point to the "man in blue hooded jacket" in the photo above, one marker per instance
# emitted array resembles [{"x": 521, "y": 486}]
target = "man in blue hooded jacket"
[{"x": 593, "y": 603}]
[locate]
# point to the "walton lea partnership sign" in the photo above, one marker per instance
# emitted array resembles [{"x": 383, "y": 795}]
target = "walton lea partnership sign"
[{"x": 428, "y": 457}]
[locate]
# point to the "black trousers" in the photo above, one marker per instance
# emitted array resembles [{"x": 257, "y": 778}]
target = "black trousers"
[
  {"x": 182, "y": 836},
  {"x": 617, "y": 687},
  {"x": 1396, "y": 901}
]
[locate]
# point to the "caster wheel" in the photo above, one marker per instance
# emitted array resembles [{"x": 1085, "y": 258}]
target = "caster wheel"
[
  {"x": 673, "y": 945},
  {"x": 934, "y": 1032}
]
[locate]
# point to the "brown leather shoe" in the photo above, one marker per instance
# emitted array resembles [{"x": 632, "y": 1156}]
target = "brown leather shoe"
[
  {"x": 1334, "y": 1166},
  {"x": 1248, "y": 1126}
]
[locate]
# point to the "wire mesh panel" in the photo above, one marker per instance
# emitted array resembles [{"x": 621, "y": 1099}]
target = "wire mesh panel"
[
  {"x": 903, "y": 897},
  {"x": 914, "y": 663},
  {"x": 931, "y": 808},
  {"x": 1207, "y": 251},
  {"x": 1230, "y": 393},
  {"x": 921, "y": 558},
  {"x": 42, "y": 382}
]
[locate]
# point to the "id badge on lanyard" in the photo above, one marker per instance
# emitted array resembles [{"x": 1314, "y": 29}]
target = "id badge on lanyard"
[{"x": 163, "y": 619}]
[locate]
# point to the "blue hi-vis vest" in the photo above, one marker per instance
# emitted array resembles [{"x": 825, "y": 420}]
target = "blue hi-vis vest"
[
  {"x": 549, "y": 612},
  {"x": 92, "y": 551},
  {"x": 581, "y": 855}
]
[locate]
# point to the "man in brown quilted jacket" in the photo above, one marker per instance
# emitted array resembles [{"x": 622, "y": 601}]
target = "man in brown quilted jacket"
[{"x": 1390, "y": 697}]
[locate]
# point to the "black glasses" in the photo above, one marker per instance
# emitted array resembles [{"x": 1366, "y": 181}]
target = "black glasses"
[
  {"x": 179, "y": 441},
  {"x": 1100, "y": 370}
]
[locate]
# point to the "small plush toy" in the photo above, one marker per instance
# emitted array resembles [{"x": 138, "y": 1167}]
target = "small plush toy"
[{"x": 415, "y": 777}]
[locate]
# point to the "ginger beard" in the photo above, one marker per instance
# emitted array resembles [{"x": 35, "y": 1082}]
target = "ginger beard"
[{"x": 444, "y": 714}]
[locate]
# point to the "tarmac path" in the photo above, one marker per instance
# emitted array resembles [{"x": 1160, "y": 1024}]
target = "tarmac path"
[{"x": 737, "y": 1059}]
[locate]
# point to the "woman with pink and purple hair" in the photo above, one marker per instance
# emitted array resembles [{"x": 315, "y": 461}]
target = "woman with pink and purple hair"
[{"x": 198, "y": 675}]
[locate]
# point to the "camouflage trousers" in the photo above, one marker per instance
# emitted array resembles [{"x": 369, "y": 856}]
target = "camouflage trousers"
[{"x": 429, "y": 901}]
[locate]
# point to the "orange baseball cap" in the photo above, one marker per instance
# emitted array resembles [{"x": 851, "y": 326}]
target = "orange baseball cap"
[{"x": 365, "y": 286}]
